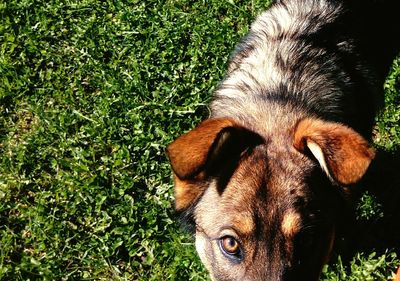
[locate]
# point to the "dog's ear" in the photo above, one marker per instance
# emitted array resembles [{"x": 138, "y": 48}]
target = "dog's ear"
[
  {"x": 341, "y": 152},
  {"x": 211, "y": 149}
]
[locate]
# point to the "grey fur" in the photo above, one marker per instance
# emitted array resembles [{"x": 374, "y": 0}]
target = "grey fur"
[{"x": 291, "y": 64}]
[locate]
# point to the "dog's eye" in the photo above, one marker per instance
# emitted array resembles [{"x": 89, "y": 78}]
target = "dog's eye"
[{"x": 231, "y": 247}]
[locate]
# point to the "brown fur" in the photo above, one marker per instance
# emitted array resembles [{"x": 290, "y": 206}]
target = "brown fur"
[
  {"x": 188, "y": 154},
  {"x": 291, "y": 224},
  {"x": 347, "y": 154},
  {"x": 196, "y": 155},
  {"x": 268, "y": 200}
]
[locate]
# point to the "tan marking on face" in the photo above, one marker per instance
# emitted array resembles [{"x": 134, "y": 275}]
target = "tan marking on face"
[
  {"x": 213, "y": 214},
  {"x": 290, "y": 224},
  {"x": 244, "y": 224}
]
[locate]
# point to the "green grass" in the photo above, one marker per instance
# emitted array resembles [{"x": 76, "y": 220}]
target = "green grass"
[{"x": 91, "y": 92}]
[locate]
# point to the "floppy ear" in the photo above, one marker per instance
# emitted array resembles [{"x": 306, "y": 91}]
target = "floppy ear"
[
  {"x": 209, "y": 150},
  {"x": 341, "y": 152}
]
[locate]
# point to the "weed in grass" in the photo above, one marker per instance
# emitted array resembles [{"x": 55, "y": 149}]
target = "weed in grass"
[{"x": 363, "y": 267}]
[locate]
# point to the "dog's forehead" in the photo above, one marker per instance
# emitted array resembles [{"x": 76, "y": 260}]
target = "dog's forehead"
[
  {"x": 271, "y": 170},
  {"x": 262, "y": 186}
]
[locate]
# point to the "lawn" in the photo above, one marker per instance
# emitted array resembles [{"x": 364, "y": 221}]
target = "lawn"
[{"x": 91, "y": 92}]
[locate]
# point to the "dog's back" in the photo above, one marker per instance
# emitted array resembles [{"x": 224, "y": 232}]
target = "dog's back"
[{"x": 319, "y": 57}]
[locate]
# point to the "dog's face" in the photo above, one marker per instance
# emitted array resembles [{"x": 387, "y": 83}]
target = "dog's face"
[{"x": 263, "y": 208}]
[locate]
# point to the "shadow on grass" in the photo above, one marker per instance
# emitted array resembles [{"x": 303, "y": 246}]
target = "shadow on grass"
[
  {"x": 383, "y": 182},
  {"x": 380, "y": 232}
]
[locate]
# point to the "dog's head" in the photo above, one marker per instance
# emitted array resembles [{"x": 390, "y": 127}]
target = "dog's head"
[{"x": 264, "y": 208}]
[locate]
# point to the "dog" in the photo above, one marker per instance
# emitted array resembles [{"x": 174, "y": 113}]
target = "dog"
[{"x": 265, "y": 179}]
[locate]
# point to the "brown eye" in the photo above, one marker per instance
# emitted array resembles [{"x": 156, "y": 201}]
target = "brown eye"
[{"x": 230, "y": 246}]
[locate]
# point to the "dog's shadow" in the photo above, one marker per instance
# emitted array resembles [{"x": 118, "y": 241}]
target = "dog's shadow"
[{"x": 380, "y": 231}]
